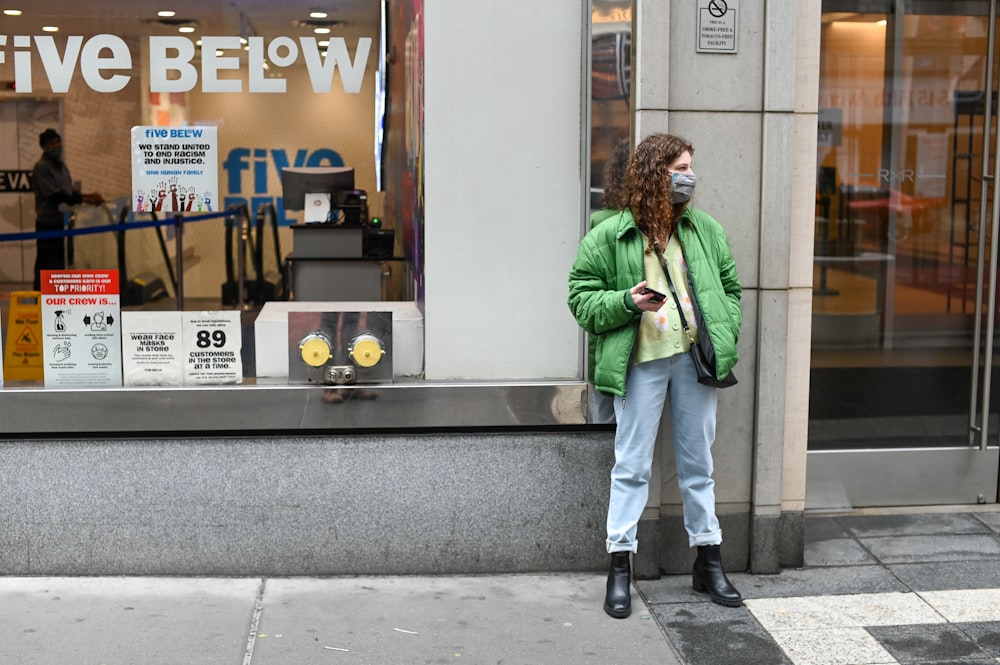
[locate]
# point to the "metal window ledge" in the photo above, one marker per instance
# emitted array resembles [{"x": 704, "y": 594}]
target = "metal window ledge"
[{"x": 262, "y": 407}]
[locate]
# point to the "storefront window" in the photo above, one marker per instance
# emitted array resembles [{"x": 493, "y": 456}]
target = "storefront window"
[
  {"x": 905, "y": 239},
  {"x": 611, "y": 83},
  {"x": 256, "y": 91},
  {"x": 610, "y": 130},
  {"x": 197, "y": 112},
  {"x": 284, "y": 88}
]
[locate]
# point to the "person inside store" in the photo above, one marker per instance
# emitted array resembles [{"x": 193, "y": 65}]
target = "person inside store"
[
  {"x": 642, "y": 354},
  {"x": 54, "y": 192}
]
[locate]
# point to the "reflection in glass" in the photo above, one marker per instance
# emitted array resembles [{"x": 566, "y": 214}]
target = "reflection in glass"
[
  {"x": 611, "y": 83},
  {"x": 899, "y": 165}
]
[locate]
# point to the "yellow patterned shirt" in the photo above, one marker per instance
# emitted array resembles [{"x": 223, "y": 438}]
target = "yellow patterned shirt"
[{"x": 660, "y": 333}]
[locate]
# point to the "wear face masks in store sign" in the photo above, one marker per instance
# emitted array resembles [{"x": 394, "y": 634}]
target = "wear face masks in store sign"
[{"x": 170, "y": 62}]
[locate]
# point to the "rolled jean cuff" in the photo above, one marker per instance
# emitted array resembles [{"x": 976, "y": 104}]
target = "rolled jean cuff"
[
  {"x": 711, "y": 538},
  {"x": 622, "y": 547}
]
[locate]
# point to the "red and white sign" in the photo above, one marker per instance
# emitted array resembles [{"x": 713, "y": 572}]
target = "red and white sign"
[{"x": 81, "y": 328}]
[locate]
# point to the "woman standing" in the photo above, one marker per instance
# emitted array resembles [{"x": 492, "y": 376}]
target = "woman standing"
[{"x": 618, "y": 291}]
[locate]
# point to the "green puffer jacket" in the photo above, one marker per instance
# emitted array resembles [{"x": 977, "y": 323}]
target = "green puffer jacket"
[{"x": 609, "y": 263}]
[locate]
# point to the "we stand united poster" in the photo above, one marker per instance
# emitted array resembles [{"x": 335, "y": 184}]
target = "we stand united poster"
[{"x": 175, "y": 170}]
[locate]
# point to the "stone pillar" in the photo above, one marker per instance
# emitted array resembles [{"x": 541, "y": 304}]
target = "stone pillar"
[{"x": 752, "y": 119}]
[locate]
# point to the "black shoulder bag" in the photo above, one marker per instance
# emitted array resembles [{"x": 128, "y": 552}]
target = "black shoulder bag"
[{"x": 702, "y": 350}]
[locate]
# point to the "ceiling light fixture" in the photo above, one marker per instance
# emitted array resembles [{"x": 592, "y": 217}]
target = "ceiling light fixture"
[
  {"x": 50, "y": 28},
  {"x": 12, "y": 12},
  {"x": 313, "y": 23},
  {"x": 321, "y": 31},
  {"x": 166, "y": 13},
  {"x": 173, "y": 22},
  {"x": 186, "y": 28},
  {"x": 318, "y": 13}
]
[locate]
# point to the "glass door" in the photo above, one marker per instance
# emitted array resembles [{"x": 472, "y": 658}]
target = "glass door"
[{"x": 902, "y": 410}]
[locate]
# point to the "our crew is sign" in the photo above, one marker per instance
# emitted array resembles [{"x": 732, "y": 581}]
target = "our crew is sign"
[{"x": 81, "y": 328}]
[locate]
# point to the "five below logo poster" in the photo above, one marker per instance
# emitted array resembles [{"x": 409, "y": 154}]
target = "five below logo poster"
[{"x": 81, "y": 328}]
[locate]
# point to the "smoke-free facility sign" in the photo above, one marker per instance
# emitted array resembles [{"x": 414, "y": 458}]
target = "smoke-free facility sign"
[
  {"x": 175, "y": 169},
  {"x": 718, "y": 26}
]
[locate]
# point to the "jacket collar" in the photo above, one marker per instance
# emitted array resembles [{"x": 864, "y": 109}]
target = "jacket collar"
[{"x": 626, "y": 222}]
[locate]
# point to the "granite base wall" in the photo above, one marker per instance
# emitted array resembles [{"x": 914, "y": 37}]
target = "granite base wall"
[{"x": 320, "y": 505}]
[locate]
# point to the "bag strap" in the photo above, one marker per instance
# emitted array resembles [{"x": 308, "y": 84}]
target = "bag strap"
[{"x": 673, "y": 291}]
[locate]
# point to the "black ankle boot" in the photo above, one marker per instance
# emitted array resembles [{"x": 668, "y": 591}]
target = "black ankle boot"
[
  {"x": 618, "y": 602},
  {"x": 708, "y": 576}
]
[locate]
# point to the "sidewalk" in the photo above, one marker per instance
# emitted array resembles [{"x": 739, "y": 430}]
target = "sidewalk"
[
  {"x": 538, "y": 619},
  {"x": 876, "y": 589}
]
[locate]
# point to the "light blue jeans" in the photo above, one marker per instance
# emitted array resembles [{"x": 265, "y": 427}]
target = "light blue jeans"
[
  {"x": 602, "y": 407},
  {"x": 692, "y": 412}
]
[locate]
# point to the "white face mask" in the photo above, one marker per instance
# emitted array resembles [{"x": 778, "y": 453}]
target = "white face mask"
[{"x": 683, "y": 186}]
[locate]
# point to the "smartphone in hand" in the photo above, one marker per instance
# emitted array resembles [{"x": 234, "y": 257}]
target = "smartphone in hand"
[{"x": 657, "y": 296}]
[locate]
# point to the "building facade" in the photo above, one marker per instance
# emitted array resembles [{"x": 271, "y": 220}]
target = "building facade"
[{"x": 495, "y": 125}]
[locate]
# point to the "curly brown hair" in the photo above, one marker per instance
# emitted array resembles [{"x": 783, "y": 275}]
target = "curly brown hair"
[{"x": 647, "y": 190}]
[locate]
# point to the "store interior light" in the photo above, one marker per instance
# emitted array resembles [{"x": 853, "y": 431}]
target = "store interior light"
[
  {"x": 50, "y": 28},
  {"x": 166, "y": 13},
  {"x": 186, "y": 28},
  {"x": 12, "y": 12},
  {"x": 843, "y": 18},
  {"x": 323, "y": 43},
  {"x": 320, "y": 26},
  {"x": 318, "y": 13}
]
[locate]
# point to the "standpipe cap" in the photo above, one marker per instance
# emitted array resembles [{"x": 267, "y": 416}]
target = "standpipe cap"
[
  {"x": 366, "y": 350},
  {"x": 315, "y": 349}
]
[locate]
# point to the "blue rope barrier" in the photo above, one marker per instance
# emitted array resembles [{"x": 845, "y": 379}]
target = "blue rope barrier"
[{"x": 91, "y": 230}]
